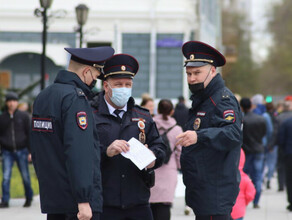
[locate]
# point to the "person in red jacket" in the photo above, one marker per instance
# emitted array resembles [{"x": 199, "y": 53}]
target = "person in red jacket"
[{"x": 246, "y": 193}]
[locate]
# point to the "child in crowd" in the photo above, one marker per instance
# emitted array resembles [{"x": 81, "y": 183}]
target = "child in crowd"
[{"x": 246, "y": 193}]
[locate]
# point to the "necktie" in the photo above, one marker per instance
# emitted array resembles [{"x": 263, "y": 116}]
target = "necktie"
[{"x": 117, "y": 112}]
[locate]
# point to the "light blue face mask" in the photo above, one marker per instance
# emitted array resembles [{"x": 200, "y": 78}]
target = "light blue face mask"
[{"x": 120, "y": 96}]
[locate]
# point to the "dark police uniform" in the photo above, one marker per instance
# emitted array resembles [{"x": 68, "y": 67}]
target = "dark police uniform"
[
  {"x": 65, "y": 150},
  {"x": 210, "y": 167},
  {"x": 125, "y": 190}
]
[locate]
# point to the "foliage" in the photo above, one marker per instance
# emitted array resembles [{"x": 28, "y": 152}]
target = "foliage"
[
  {"x": 277, "y": 70},
  {"x": 239, "y": 73},
  {"x": 16, "y": 186}
]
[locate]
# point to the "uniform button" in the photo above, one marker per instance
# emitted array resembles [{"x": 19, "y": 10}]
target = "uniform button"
[{"x": 123, "y": 176}]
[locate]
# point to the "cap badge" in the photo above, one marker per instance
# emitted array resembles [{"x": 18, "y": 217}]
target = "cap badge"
[
  {"x": 192, "y": 56},
  {"x": 123, "y": 68},
  {"x": 197, "y": 124}
]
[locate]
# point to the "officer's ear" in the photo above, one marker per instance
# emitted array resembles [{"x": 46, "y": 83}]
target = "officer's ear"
[
  {"x": 85, "y": 71},
  {"x": 213, "y": 71},
  {"x": 106, "y": 86}
]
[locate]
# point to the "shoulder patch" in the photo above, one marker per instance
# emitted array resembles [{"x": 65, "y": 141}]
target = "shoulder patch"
[
  {"x": 82, "y": 120},
  {"x": 229, "y": 115},
  {"x": 80, "y": 92},
  {"x": 42, "y": 124}
]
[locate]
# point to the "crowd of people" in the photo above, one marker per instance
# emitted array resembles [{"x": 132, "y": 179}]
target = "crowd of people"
[{"x": 226, "y": 147}]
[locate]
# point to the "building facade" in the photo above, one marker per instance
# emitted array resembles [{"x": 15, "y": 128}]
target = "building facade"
[{"x": 153, "y": 31}]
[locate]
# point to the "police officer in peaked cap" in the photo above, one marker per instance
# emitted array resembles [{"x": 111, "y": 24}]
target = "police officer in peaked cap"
[
  {"x": 65, "y": 148},
  {"x": 212, "y": 137},
  {"x": 126, "y": 189}
]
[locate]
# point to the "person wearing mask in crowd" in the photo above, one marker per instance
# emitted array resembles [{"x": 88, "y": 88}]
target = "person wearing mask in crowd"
[
  {"x": 254, "y": 129},
  {"x": 285, "y": 143},
  {"x": 246, "y": 192},
  {"x": 181, "y": 112},
  {"x": 162, "y": 194},
  {"x": 148, "y": 103},
  {"x": 212, "y": 138},
  {"x": 285, "y": 114},
  {"x": 65, "y": 147},
  {"x": 126, "y": 189},
  {"x": 14, "y": 140}
]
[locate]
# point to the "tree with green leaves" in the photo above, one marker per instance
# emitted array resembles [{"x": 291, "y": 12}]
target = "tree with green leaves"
[{"x": 239, "y": 73}]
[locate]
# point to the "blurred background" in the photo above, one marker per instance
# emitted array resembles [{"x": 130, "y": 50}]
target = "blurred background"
[{"x": 254, "y": 35}]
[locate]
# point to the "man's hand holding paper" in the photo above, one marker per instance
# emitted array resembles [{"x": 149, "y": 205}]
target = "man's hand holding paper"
[{"x": 139, "y": 154}]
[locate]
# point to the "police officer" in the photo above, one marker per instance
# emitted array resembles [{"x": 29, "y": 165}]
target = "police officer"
[
  {"x": 212, "y": 137},
  {"x": 65, "y": 153},
  {"x": 126, "y": 189}
]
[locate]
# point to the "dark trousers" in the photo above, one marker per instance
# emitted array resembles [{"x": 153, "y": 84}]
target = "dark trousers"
[
  {"x": 142, "y": 212},
  {"x": 95, "y": 216},
  {"x": 213, "y": 217},
  {"x": 288, "y": 163},
  {"x": 160, "y": 211},
  {"x": 281, "y": 169}
]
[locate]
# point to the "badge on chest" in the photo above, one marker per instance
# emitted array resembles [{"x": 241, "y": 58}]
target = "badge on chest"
[
  {"x": 142, "y": 136},
  {"x": 197, "y": 124}
]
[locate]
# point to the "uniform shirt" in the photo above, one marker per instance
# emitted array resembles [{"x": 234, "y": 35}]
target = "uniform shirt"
[
  {"x": 111, "y": 109},
  {"x": 210, "y": 167},
  {"x": 123, "y": 183},
  {"x": 65, "y": 150}
]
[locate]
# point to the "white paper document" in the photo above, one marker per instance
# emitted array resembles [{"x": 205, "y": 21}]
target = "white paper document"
[{"x": 140, "y": 155}]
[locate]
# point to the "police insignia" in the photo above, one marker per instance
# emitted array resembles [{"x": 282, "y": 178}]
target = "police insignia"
[
  {"x": 141, "y": 125},
  {"x": 229, "y": 115},
  {"x": 42, "y": 124},
  {"x": 197, "y": 124},
  {"x": 192, "y": 56},
  {"x": 123, "y": 68},
  {"x": 82, "y": 120},
  {"x": 142, "y": 137}
]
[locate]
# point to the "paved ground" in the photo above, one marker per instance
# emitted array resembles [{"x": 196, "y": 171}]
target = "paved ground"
[{"x": 272, "y": 207}]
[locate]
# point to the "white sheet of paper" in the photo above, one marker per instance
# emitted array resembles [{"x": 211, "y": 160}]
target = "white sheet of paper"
[{"x": 140, "y": 155}]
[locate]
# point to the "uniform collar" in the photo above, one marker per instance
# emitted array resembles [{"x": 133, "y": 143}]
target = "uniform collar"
[{"x": 67, "y": 77}]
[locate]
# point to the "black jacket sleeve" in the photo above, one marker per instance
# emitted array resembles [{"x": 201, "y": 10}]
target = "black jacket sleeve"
[{"x": 79, "y": 146}]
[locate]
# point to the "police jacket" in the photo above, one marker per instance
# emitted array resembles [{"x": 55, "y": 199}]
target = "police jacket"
[
  {"x": 254, "y": 129},
  {"x": 285, "y": 136},
  {"x": 123, "y": 183},
  {"x": 65, "y": 153},
  {"x": 14, "y": 130},
  {"x": 210, "y": 167}
]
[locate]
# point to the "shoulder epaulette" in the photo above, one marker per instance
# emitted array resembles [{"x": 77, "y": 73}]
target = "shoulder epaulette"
[
  {"x": 79, "y": 92},
  {"x": 225, "y": 94},
  {"x": 142, "y": 108}
]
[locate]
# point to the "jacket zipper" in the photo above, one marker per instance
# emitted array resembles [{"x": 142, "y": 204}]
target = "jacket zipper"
[{"x": 13, "y": 133}]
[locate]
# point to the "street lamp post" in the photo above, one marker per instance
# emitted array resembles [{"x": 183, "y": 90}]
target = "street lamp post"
[
  {"x": 45, "y": 4},
  {"x": 81, "y": 15}
]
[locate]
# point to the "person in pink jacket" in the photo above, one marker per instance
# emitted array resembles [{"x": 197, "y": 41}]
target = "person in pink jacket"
[
  {"x": 162, "y": 194},
  {"x": 246, "y": 193}
]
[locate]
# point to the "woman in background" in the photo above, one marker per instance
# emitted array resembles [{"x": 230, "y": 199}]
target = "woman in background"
[{"x": 162, "y": 194}]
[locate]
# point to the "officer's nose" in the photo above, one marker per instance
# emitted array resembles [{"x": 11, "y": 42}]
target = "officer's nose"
[{"x": 192, "y": 79}]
